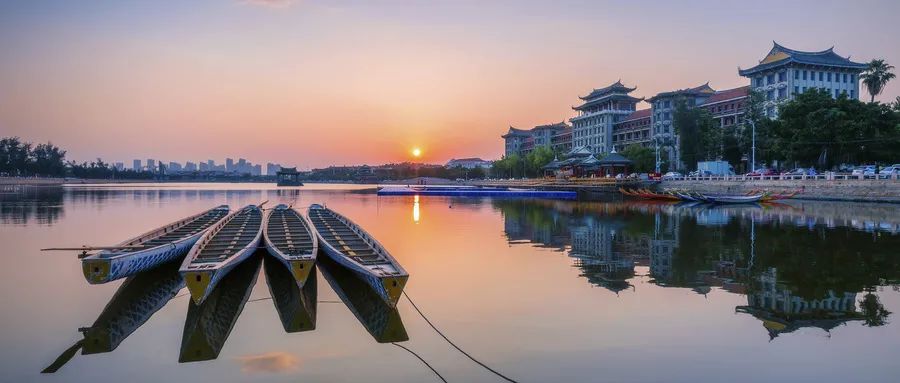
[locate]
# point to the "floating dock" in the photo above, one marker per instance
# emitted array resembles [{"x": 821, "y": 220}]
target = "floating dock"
[{"x": 475, "y": 191}]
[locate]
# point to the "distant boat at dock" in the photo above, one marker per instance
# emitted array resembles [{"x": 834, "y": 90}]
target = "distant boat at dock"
[
  {"x": 474, "y": 191},
  {"x": 222, "y": 248},
  {"x": 349, "y": 245}
]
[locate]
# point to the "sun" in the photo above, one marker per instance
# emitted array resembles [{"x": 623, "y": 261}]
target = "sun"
[{"x": 416, "y": 152}]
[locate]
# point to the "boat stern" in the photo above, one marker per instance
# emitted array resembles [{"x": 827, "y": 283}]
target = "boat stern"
[
  {"x": 96, "y": 270},
  {"x": 300, "y": 269},
  {"x": 393, "y": 287},
  {"x": 96, "y": 341},
  {"x": 198, "y": 283}
]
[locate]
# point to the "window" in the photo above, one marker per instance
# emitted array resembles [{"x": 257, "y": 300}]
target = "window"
[
  {"x": 812, "y": 75},
  {"x": 804, "y": 75},
  {"x": 845, "y": 77},
  {"x": 668, "y": 103},
  {"x": 782, "y": 93},
  {"x": 836, "y": 93},
  {"x": 796, "y": 74},
  {"x": 770, "y": 79},
  {"x": 852, "y": 93},
  {"x": 782, "y": 76},
  {"x": 821, "y": 76},
  {"x": 852, "y": 78},
  {"x": 803, "y": 89},
  {"x": 759, "y": 81},
  {"x": 770, "y": 95},
  {"x": 796, "y": 89},
  {"x": 829, "y": 76}
]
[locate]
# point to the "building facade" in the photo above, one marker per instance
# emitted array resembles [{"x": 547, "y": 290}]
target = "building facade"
[
  {"x": 600, "y": 111},
  {"x": 468, "y": 163},
  {"x": 523, "y": 141},
  {"x": 785, "y": 72}
]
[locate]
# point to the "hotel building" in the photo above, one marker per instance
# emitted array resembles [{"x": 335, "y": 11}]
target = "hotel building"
[{"x": 523, "y": 141}]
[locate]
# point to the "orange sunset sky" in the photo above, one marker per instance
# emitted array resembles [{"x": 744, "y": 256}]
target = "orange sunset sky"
[{"x": 314, "y": 83}]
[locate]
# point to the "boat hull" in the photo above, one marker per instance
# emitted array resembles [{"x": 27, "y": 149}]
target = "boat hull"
[
  {"x": 388, "y": 288},
  {"x": 102, "y": 270}
]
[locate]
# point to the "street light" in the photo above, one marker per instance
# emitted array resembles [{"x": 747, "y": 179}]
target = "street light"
[{"x": 752, "y": 146}]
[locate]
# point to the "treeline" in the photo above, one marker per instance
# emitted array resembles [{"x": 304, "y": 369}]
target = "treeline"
[
  {"x": 25, "y": 159},
  {"x": 392, "y": 172},
  {"x": 813, "y": 129},
  {"x": 529, "y": 165}
]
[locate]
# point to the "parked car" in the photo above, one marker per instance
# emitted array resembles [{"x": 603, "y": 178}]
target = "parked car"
[
  {"x": 762, "y": 172},
  {"x": 700, "y": 173},
  {"x": 867, "y": 170},
  {"x": 800, "y": 172},
  {"x": 890, "y": 170},
  {"x": 672, "y": 175}
]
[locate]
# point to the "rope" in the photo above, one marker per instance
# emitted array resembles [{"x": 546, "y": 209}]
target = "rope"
[
  {"x": 423, "y": 361},
  {"x": 453, "y": 344}
]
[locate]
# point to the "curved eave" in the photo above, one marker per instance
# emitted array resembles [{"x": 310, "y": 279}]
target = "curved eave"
[{"x": 776, "y": 64}]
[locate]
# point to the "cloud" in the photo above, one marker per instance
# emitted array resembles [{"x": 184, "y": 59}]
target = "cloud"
[
  {"x": 270, "y": 3},
  {"x": 270, "y": 362}
]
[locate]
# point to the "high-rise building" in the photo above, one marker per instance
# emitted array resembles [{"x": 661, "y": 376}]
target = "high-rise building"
[
  {"x": 136, "y": 165},
  {"x": 785, "y": 72},
  {"x": 175, "y": 167},
  {"x": 190, "y": 167},
  {"x": 120, "y": 166},
  {"x": 151, "y": 165},
  {"x": 229, "y": 165},
  {"x": 271, "y": 169}
]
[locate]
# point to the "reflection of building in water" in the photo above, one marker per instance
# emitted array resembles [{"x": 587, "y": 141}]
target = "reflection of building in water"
[
  {"x": 663, "y": 244},
  {"x": 782, "y": 312},
  {"x": 596, "y": 248}
]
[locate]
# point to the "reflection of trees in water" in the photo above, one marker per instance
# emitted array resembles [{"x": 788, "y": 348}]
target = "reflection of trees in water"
[
  {"x": 21, "y": 205},
  {"x": 800, "y": 275}
]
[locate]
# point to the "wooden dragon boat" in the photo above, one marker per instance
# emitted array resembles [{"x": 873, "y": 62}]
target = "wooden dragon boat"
[
  {"x": 352, "y": 247},
  {"x": 296, "y": 306},
  {"x": 135, "y": 301},
  {"x": 381, "y": 320},
  {"x": 148, "y": 250},
  {"x": 222, "y": 248},
  {"x": 290, "y": 239},
  {"x": 208, "y": 324}
]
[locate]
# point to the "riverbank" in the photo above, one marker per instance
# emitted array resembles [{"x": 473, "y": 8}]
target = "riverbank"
[
  {"x": 854, "y": 190},
  {"x": 54, "y": 181}
]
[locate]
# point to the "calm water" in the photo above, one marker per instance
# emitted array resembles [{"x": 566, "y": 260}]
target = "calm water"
[{"x": 539, "y": 290}]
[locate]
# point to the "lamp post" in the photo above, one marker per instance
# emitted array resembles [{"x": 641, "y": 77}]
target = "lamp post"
[{"x": 752, "y": 146}]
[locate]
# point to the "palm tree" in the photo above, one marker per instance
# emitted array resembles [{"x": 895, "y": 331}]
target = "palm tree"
[{"x": 876, "y": 76}]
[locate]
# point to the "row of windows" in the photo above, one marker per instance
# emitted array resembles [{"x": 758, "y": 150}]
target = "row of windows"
[
  {"x": 663, "y": 104},
  {"x": 812, "y": 75},
  {"x": 642, "y": 135},
  {"x": 836, "y": 92},
  {"x": 665, "y": 116},
  {"x": 726, "y": 107},
  {"x": 587, "y": 132}
]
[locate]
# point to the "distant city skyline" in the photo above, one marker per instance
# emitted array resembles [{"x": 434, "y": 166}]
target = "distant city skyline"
[{"x": 317, "y": 83}]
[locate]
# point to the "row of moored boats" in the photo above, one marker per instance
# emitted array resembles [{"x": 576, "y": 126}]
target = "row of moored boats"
[
  {"x": 754, "y": 196},
  {"x": 217, "y": 240}
]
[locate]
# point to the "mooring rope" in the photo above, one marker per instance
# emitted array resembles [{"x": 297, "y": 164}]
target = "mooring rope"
[
  {"x": 453, "y": 344},
  {"x": 423, "y": 361}
]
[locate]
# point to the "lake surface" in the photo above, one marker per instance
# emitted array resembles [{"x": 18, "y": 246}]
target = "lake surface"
[{"x": 538, "y": 290}]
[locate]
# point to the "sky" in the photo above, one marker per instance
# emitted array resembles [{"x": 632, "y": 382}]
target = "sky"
[{"x": 315, "y": 83}]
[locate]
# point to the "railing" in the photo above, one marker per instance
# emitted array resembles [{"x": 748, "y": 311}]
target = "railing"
[{"x": 786, "y": 177}]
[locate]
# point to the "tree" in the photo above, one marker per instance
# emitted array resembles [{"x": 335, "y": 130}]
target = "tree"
[
  {"x": 536, "y": 159},
  {"x": 644, "y": 158},
  {"x": 876, "y": 76},
  {"x": 699, "y": 137}
]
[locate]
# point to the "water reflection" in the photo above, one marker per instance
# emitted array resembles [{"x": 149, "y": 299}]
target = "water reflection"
[
  {"x": 21, "y": 205},
  {"x": 136, "y": 300},
  {"x": 209, "y": 324},
  {"x": 798, "y": 266},
  {"x": 380, "y": 320},
  {"x": 296, "y": 307}
]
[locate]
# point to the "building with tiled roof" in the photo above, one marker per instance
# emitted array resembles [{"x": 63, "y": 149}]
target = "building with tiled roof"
[
  {"x": 468, "y": 163},
  {"x": 601, "y": 110},
  {"x": 786, "y": 72}
]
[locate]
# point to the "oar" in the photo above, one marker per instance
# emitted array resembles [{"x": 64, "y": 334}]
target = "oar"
[
  {"x": 64, "y": 358},
  {"x": 84, "y": 249}
]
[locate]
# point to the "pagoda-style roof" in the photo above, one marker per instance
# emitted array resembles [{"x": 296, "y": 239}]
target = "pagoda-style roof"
[
  {"x": 615, "y": 159},
  {"x": 704, "y": 89},
  {"x": 581, "y": 151},
  {"x": 616, "y": 86},
  {"x": 558, "y": 125},
  {"x": 287, "y": 171},
  {"x": 780, "y": 56},
  {"x": 604, "y": 99},
  {"x": 552, "y": 165},
  {"x": 516, "y": 132}
]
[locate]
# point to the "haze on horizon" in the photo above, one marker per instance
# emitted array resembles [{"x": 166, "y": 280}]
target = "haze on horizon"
[{"x": 314, "y": 83}]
